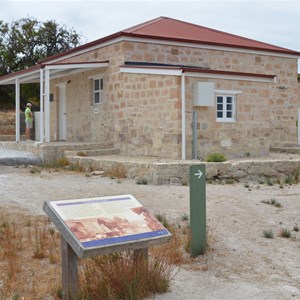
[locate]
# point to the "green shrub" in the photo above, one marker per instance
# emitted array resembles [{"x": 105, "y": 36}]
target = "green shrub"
[
  {"x": 268, "y": 234},
  {"x": 286, "y": 233},
  {"x": 185, "y": 217},
  {"x": 216, "y": 157},
  {"x": 273, "y": 202},
  {"x": 142, "y": 180},
  {"x": 289, "y": 180}
]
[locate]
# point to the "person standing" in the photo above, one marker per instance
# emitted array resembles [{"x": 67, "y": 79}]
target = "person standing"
[{"x": 28, "y": 120}]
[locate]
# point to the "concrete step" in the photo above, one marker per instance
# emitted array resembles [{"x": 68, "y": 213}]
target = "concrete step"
[
  {"x": 91, "y": 152},
  {"x": 81, "y": 146},
  {"x": 294, "y": 149}
]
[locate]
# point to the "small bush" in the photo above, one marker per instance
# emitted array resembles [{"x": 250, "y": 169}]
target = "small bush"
[
  {"x": 268, "y": 234},
  {"x": 163, "y": 220},
  {"x": 216, "y": 157},
  {"x": 63, "y": 162},
  {"x": 289, "y": 180},
  {"x": 81, "y": 153},
  {"x": 35, "y": 170},
  {"x": 117, "y": 171},
  {"x": 272, "y": 201},
  {"x": 286, "y": 233},
  {"x": 185, "y": 217},
  {"x": 246, "y": 185},
  {"x": 230, "y": 181},
  {"x": 296, "y": 228},
  {"x": 142, "y": 181},
  {"x": 123, "y": 276}
]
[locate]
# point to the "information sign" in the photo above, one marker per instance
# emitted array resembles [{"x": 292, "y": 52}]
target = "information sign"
[{"x": 103, "y": 225}]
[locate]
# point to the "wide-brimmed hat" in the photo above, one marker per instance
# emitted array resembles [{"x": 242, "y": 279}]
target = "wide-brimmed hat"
[{"x": 28, "y": 104}]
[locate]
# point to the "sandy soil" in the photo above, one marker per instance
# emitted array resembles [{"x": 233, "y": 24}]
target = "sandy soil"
[{"x": 241, "y": 264}]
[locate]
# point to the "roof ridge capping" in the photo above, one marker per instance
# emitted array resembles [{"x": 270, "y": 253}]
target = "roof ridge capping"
[{"x": 141, "y": 25}]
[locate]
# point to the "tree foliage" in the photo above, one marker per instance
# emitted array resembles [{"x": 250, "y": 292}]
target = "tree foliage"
[
  {"x": 25, "y": 42},
  {"x": 298, "y": 77}
]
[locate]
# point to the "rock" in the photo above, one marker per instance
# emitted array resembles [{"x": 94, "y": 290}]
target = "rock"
[{"x": 97, "y": 173}]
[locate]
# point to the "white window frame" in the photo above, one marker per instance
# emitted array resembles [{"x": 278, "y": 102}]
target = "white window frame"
[
  {"x": 225, "y": 95},
  {"x": 98, "y": 91}
]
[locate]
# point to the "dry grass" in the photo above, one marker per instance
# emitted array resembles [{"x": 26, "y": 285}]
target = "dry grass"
[
  {"x": 120, "y": 276},
  {"x": 116, "y": 171},
  {"x": 28, "y": 258},
  {"x": 31, "y": 267}
]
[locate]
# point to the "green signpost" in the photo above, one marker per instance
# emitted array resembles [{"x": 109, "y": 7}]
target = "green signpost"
[{"x": 198, "y": 209}]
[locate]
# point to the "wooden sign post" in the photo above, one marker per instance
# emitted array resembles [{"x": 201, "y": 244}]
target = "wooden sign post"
[
  {"x": 69, "y": 268},
  {"x": 98, "y": 226}
]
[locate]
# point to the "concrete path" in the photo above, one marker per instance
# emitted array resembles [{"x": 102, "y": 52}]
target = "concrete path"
[{"x": 16, "y": 158}]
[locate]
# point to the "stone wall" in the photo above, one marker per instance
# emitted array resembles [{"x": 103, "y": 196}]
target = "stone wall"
[
  {"x": 177, "y": 172},
  {"x": 141, "y": 114},
  {"x": 266, "y": 112}
]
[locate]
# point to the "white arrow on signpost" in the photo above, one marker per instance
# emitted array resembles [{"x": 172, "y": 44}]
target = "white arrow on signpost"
[{"x": 199, "y": 174}]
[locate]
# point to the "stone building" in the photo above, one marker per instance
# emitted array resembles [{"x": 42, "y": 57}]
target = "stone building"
[{"x": 169, "y": 88}]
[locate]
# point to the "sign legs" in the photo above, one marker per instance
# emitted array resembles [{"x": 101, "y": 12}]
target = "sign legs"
[
  {"x": 139, "y": 254},
  {"x": 69, "y": 271}
]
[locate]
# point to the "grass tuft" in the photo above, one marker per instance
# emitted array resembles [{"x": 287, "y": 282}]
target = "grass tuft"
[
  {"x": 117, "y": 171},
  {"x": 286, "y": 233},
  {"x": 216, "y": 157},
  {"x": 273, "y": 202},
  {"x": 268, "y": 234}
]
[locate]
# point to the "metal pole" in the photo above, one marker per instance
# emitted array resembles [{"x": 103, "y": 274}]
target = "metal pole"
[
  {"x": 47, "y": 105},
  {"x": 198, "y": 209},
  {"x": 298, "y": 123},
  {"x": 17, "y": 87},
  {"x": 183, "y": 156},
  {"x": 42, "y": 125},
  {"x": 194, "y": 134}
]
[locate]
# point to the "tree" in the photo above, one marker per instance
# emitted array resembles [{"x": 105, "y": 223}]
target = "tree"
[
  {"x": 298, "y": 77},
  {"x": 25, "y": 42}
]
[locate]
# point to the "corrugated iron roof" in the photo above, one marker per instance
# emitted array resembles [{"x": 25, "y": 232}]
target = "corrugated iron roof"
[
  {"x": 169, "y": 29},
  {"x": 172, "y": 29}
]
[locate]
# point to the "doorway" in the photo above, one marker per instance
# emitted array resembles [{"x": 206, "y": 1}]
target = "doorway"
[{"x": 62, "y": 112}]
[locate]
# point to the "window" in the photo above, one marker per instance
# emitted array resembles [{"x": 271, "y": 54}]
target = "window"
[
  {"x": 226, "y": 108},
  {"x": 98, "y": 90}
]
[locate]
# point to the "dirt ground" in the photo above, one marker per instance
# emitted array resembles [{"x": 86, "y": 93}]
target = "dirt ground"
[{"x": 241, "y": 262}]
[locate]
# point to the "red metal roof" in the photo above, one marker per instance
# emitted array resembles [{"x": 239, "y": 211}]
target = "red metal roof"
[
  {"x": 172, "y": 29},
  {"x": 168, "y": 29}
]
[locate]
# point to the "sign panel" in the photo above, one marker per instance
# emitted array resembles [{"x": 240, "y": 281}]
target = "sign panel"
[
  {"x": 103, "y": 225},
  {"x": 198, "y": 209}
]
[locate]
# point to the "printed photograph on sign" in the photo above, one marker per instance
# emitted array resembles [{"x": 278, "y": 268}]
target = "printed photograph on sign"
[{"x": 103, "y": 221}]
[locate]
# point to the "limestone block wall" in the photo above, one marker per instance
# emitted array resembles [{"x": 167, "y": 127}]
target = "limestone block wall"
[
  {"x": 87, "y": 121},
  {"x": 266, "y": 112},
  {"x": 248, "y": 136},
  {"x": 151, "y": 116},
  {"x": 141, "y": 114}
]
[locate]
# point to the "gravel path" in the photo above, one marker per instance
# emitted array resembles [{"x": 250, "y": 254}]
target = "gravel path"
[{"x": 242, "y": 263}]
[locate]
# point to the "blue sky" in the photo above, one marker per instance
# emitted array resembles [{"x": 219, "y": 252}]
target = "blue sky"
[{"x": 274, "y": 22}]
